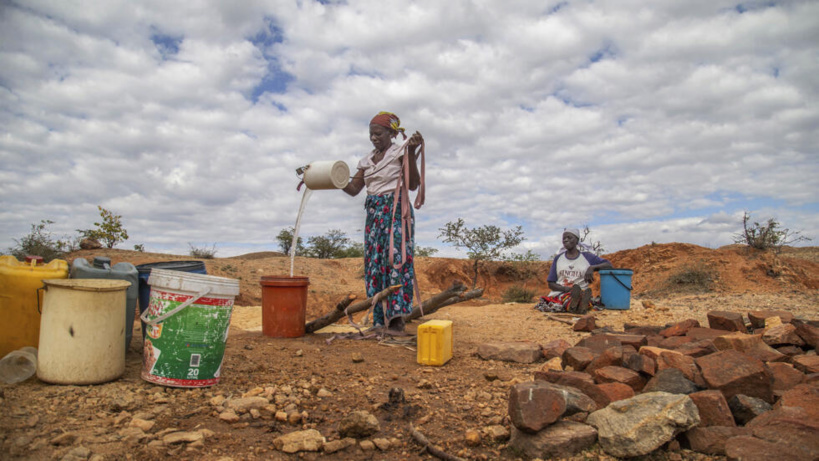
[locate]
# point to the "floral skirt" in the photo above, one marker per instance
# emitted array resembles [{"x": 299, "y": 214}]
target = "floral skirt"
[{"x": 378, "y": 274}]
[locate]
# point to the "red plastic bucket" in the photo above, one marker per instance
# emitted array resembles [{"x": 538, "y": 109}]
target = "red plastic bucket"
[{"x": 284, "y": 305}]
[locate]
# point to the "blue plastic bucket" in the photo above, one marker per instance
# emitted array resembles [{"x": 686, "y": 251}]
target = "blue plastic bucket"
[
  {"x": 196, "y": 267},
  {"x": 615, "y": 288}
]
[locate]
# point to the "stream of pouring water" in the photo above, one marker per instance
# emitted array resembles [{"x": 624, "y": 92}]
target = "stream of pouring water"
[{"x": 304, "y": 198}]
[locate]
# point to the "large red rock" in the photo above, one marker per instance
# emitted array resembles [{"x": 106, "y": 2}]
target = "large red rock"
[
  {"x": 807, "y": 364},
  {"x": 620, "y": 375},
  {"x": 711, "y": 439},
  {"x": 554, "y": 348},
  {"x": 805, "y": 396},
  {"x": 728, "y": 321},
  {"x": 785, "y": 376},
  {"x": 757, "y": 318},
  {"x": 713, "y": 407},
  {"x": 733, "y": 373},
  {"x": 681, "y": 328}
]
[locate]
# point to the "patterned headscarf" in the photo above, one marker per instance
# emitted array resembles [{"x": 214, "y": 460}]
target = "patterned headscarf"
[{"x": 389, "y": 120}]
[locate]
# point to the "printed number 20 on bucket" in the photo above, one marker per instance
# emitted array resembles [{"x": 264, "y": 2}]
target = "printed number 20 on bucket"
[{"x": 187, "y": 319}]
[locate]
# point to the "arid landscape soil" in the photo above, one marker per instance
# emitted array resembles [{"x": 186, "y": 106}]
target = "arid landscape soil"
[{"x": 311, "y": 382}]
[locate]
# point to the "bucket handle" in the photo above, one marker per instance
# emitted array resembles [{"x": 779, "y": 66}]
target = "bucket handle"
[
  {"x": 620, "y": 282},
  {"x": 161, "y": 318}
]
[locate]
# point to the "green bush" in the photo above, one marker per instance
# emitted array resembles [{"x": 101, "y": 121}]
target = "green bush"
[
  {"x": 692, "y": 279},
  {"x": 110, "y": 230},
  {"x": 518, "y": 294},
  {"x": 41, "y": 243},
  {"x": 202, "y": 253}
]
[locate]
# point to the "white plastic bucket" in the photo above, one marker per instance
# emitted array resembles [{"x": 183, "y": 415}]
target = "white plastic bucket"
[
  {"x": 82, "y": 331},
  {"x": 187, "y": 322},
  {"x": 327, "y": 175}
]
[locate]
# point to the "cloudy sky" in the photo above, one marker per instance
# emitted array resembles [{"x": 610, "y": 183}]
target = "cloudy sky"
[{"x": 647, "y": 121}]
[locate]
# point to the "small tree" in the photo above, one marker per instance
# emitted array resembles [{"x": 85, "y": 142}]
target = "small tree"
[
  {"x": 285, "y": 239},
  {"x": 41, "y": 243},
  {"x": 767, "y": 235},
  {"x": 596, "y": 247},
  {"x": 353, "y": 250},
  {"x": 424, "y": 252},
  {"x": 485, "y": 243},
  {"x": 109, "y": 231},
  {"x": 327, "y": 246}
]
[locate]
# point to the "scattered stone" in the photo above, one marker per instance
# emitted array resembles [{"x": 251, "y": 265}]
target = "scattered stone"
[
  {"x": 804, "y": 396},
  {"x": 496, "y": 432},
  {"x": 358, "y": 424},
  {"x": 698, "y": 348},
  {"x": 243, "y": 405},
  {"x": 757, "y": 318},
  {"x": 620, "y": 375},
  {"x": 785, "y": 376},
  {"x": 77, "y": 454},
  {"x": 553, "y": 364},
  {"x": 472, "y": 437},
  {"x": 616, "y": 391},
  {"x": 63, "y": 439},
  {"x": 782, "y": 335},
  {"x": 745, "y": 408},
  {"x": 807, "y": 364},
  {"x": 675, "y": 342},
  {"x": 382, "y": 444},
  {"x": 808, "y": 333},
  {"x": 322, "y": 393},
  {"x": 728, "y": 321},
  {"x": 518, "y": 351},
  {"x": 670, "y": 380},
  {"x": 146, "y": 426},
  {"x": 680, "y": 329},
  {"x": 367, "y": 445},
  {"x": 643, "y": 423},
  {"x": 635, "y": 341},
  {"x": 789, "y": 426},
  {"x": 298, "y": 441},
  {"x": 713, "y": 408},
  {"x": 599, "y": 343},
  {"x": 642, "y": 364},
  {"x": 700, "y": 334},
  {"x": 585, "y": 323},
  {"x": 229, "y": 416},
  {"x": 749, "y": 344},
  {"x": 338, "y": 445},
  {"x": 577, "y": 357},
  {"x": 710, "y": 440},
  {"x": 534, "y": 405},
  {"x": 750, "y": 448},
  {"x": 554, "y": 348},
  {"x": 182, "y": 437},
  {"x": 681, "y": 362},
  {"x": 357, "y": 357},
  {"x": 611, "y": 357},
  {"x": 561, "y": 440},
  {"x": 735, "y": 373},
  {"x": 578, "y": 380}
]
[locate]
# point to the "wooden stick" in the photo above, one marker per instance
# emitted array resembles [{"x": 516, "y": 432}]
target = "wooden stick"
[
  {"x": 552, "y": 317},
  {"x": 430, "y": 448},
  {"x": 336, "y": 314}
]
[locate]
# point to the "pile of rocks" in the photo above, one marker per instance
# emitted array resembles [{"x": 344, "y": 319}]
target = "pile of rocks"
[{"x": 742, "y": 390}]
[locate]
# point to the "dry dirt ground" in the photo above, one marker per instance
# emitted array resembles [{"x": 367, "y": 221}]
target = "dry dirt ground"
[{"x": 321, "y": 382}]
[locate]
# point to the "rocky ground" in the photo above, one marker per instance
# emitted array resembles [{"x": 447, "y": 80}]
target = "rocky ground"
[{"x": 271, "y": 387}]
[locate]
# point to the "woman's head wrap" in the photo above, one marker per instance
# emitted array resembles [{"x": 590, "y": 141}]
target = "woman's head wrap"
[
  {"x": 574, "y": 231},
  {"x": 388, "y": 120}
]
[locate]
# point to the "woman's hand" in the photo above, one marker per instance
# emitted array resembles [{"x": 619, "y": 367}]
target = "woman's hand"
[
  {"x": 415, "y": 140},
  {"x": 589, "y": 275}
]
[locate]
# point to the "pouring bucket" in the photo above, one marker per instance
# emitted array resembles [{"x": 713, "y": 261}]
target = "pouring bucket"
[
  {"x": 326, "y": 175},
  {"x": 82, "y": 331},
  {"x": 187, "y": 319},
  {"x": 284, "y": 305},
  {"x": 615, "y": 288}
]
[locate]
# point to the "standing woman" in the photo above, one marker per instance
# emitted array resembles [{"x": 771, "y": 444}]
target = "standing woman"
[{"x": 389, "y": 172}]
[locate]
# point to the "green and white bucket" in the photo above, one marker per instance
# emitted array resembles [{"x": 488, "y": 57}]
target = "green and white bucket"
[{"x": 187, "y": 323}]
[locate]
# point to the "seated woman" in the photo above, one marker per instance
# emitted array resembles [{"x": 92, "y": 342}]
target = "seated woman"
[{"x": 572, "y": 271}]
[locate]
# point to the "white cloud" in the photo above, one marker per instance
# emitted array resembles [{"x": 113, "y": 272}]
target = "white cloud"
[{"x": 649, "y": 122}]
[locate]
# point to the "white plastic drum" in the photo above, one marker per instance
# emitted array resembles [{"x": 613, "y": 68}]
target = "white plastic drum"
[{"x": 327, "y": 175}]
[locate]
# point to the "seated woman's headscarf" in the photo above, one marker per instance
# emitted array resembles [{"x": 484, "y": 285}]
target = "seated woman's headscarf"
[
  {"x": 389, "y": 120},
  {"x": 580, "y": 245}
]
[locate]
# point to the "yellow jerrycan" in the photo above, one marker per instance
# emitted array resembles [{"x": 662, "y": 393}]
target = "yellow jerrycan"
[{"x": 20, "y": 300}]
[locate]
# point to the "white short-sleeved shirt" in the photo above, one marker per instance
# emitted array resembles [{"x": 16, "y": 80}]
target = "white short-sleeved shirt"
[{"x": 382, "y": 177}]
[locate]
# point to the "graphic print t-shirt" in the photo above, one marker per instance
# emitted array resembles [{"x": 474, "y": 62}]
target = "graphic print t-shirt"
[{"x": 570, "y": 272}]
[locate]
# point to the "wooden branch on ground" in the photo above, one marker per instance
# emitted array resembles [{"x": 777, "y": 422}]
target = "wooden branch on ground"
[
  {"x": 430, "y": 448},
  {"x": 454, "y": 294},
  {"x": 342, "y": 309},
  {"x": 552, "y": 317}
]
